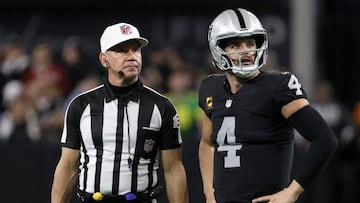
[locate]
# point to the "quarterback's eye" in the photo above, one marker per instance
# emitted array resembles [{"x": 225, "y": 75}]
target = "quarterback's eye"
[{"x": 251, "y": 43}]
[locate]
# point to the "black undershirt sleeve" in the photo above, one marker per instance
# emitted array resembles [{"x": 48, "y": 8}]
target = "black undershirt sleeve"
[{"x": 310, "y": 124}]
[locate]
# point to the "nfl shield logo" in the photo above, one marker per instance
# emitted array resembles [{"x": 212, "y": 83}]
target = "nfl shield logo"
[
  {"x": 125, "y": 29},
  {"x": 149, "y": 145},
  {"x": 228, "y": 103}
]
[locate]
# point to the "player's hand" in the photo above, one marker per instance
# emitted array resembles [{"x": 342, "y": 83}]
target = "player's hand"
[
  {"x": 210, "y": 198},
  {"x": 283, "y": 196},
  {"x": 287, "y": 195}
]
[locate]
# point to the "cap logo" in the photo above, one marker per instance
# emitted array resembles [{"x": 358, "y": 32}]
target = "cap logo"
[{"x": 125, "y": 29}]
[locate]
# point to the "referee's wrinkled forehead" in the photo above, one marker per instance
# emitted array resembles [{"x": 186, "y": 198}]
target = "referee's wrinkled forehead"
[{"x": 119, "y": 33}]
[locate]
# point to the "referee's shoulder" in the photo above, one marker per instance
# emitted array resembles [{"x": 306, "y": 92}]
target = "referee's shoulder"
[
  {"x": 150, "y": 93},
  {"x": 87, "y": 95}
]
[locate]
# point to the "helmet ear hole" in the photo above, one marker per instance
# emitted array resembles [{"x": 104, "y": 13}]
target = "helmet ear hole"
[
  {"x": 259, "y": 40},
  {"x": 222, "y": 43}
]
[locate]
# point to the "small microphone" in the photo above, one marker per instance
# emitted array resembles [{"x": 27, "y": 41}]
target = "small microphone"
[{"x": 121, "y": 73}]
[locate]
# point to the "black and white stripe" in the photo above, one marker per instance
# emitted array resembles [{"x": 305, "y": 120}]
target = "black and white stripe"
[
  {"x": 101, "y": 127},
  {"x": 241, "y": 18}
]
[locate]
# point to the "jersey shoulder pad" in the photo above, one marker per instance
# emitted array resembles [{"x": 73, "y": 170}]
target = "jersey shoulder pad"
[
  {"x": 212, "y": 82},
  {"x": 289, "y": 88}
]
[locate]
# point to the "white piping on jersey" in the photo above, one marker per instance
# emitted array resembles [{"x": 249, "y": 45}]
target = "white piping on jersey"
[{"x": 152, "y": 129}]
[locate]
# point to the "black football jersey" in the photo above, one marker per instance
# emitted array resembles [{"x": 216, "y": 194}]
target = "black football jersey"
[{"x": 253, "y": 141}]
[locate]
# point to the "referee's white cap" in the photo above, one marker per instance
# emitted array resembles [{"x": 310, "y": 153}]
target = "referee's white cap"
[{"x": 118, "y": 33}]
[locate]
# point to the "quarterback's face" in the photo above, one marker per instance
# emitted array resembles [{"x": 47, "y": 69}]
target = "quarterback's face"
[{"x": 238, "y": 49}]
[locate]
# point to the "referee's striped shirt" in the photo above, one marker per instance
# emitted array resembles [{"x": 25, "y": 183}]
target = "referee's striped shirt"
[{"x": 119, "y": 137}]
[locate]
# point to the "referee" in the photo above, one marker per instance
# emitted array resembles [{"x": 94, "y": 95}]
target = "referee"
[{"x": 112, "y": 134}]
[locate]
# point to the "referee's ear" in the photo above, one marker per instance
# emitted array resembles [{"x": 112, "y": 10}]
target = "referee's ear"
[{"x": 103, "y": 59}]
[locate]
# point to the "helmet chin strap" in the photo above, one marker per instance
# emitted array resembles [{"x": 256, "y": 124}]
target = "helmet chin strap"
[{"x": 242, "y": 74}]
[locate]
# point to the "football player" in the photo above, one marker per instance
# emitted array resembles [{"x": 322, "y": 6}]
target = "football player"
[{"x": 247, "y": 145}]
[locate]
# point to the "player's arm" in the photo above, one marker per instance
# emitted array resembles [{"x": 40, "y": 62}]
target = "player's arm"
[
  {"x": 175, "y": 176},
  {"x": 309, "y": 123},
  {"x": 206, "y": 159},
  {"x": 65, "y": 176}
]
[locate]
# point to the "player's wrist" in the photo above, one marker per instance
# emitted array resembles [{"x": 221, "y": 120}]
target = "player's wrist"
[
  {"x": 209, "y": 192},
  {"x": 295, "y": 189}
]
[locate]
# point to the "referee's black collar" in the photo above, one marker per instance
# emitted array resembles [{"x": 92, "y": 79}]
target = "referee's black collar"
[{"x": 132, "y": 95}]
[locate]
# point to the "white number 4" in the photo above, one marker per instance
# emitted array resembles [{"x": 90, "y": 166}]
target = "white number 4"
[
  {"x": 227, "y": 132},
  {"x": 294, "y": 84}
]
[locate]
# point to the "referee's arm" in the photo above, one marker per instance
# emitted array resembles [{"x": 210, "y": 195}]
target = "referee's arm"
[
  {"x": 175, "y": 176},
  {"x": 65, "y": 176}
]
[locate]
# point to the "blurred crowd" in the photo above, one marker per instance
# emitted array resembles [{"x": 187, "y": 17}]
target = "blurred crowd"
[
  {"x": 36, "y": 85},
  {"x": 38, "y": 82}
]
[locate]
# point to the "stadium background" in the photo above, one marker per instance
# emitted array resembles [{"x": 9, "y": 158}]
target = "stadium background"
[{"x": 331, "y": 34}]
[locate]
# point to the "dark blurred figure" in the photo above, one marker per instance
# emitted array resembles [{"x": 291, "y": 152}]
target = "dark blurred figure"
[
  {"x": 19, "y": 123},
  {"x": 152, "y": 77},
  {"x": 335, "y": 184},
  {"x": 353, "y": 157},
  {"x": 75, "y": 61},
  {"x": 181, "y": 86},
  {"x": 181, "y": 90},
  {"x": 157, "y": 60},
  {"x": 166, "y": 59},
  {"x": 47, "y": 85},
  {"x": 14, "y": 63}
]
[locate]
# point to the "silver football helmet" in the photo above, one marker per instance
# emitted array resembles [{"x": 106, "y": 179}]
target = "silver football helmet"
[{"x": 237, "y": 23}]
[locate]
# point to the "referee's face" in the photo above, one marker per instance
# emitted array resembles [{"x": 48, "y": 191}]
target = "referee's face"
[{"x": 124, "y": 62}]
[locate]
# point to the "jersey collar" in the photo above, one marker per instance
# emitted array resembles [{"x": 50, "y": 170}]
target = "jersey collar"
[{"x": 131, "y": 95}]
